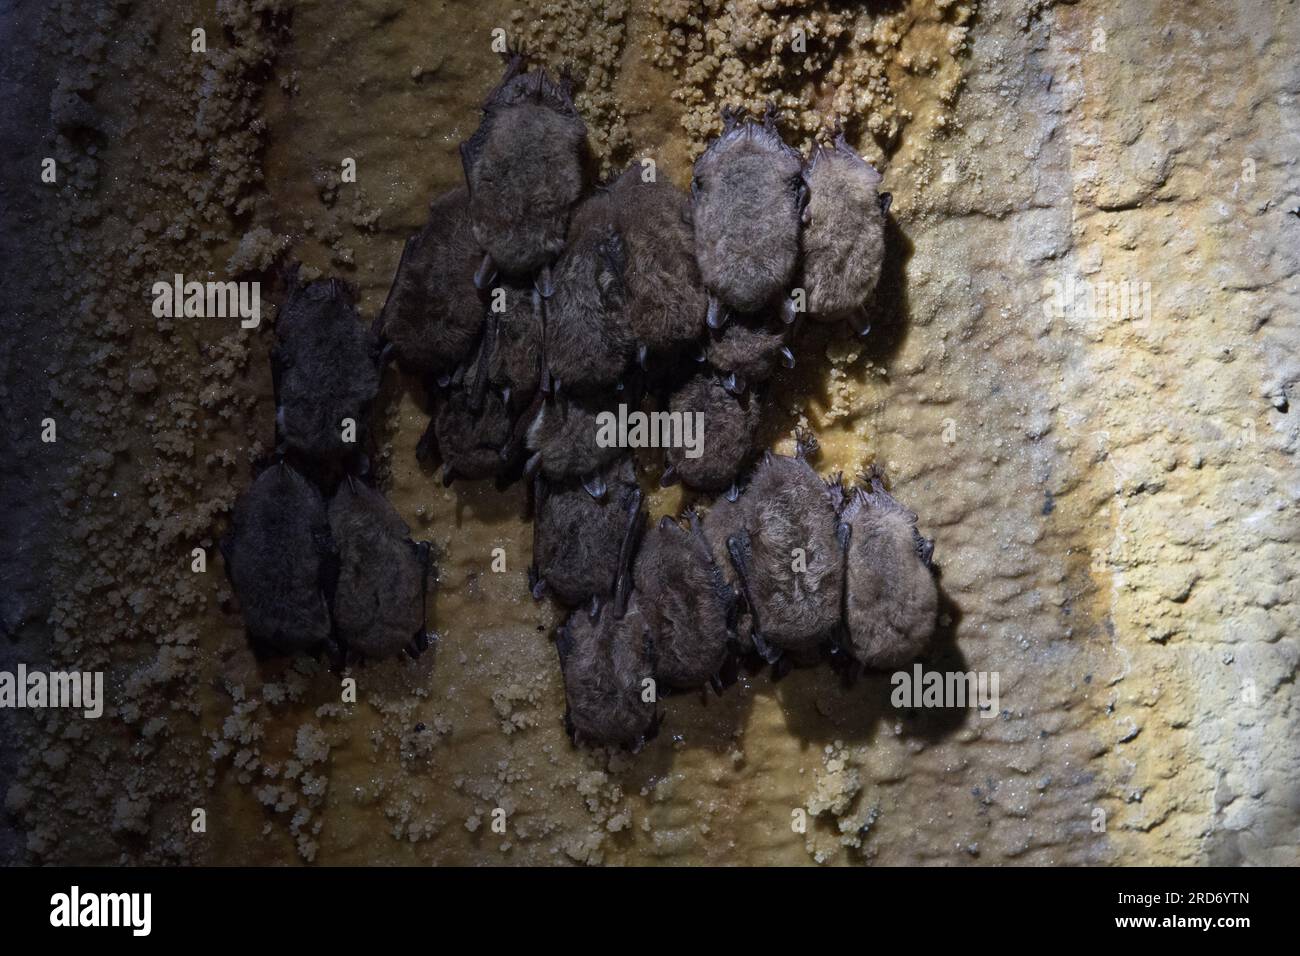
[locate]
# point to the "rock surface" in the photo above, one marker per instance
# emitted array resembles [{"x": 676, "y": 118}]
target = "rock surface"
[{"x": 1112, "y": 484}]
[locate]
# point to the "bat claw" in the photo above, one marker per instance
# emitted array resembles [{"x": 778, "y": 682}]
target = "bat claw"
[
  {"x": 717, "y": 314},
  {"x": 595, "y": 486},
  {"x": 486, "y": 273},
  {"x": 861, "y": 324},
  {"x": 545, "y": 287}
]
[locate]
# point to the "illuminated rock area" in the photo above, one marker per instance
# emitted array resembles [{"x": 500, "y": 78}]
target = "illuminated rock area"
[{"x": 1080, "y": 375}]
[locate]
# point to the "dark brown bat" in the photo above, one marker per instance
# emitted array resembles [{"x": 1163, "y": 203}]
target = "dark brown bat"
[
  {"x": 891, "y": 600},
  {"x": 686, "y": 602},
  {"x": 325, "y": 371},
  {"x": 282, "y": 563},
  {"x": 748, "y": 193},
  {"x": 379, "y": 601},
  {"x": 843, "y": 233},
  {"x": 606, "y": 661},
  {"x": 524, "y": 168}
]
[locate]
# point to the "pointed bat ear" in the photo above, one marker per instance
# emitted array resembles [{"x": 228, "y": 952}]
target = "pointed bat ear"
[
  {"x": 515, "y": 63},
  {"x": 570, "y": 79}
]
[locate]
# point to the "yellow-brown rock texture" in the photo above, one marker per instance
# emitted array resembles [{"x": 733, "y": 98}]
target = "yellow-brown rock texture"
[{"x": 1080, "y": 375}]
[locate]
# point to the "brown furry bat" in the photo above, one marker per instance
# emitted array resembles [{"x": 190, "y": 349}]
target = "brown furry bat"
[
  {"x": 524, "y": 168},
  {"x": 891, "y": 600},
  {"x": 379, "y": 602},
  {"x": 748, "y": 196},
  {"x": 605, "y": 661},
  {"x": 588, "y": 341},
  {"x": 281, "y": 562},
  {"x": 686, "y": 602},
  {"x": 583, "y": 544},
  {"x": 729, "y": 426},
  {"x": 746, "y": 352},
  {"x": 666, "y": 301},
  {"x": 325, "y": 369},
  {"x": 789, "y": 555},
  {"x": 434, "y": 316},
  {"x": 562, "y": 439},
  {"x": 843, "y": 233}
]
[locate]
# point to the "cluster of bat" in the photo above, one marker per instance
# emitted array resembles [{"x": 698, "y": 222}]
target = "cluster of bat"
[
  {"x": 343, "y": 576},
  {"x": 793, "y": 567},
  {"x": 529, "y": 304}
]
